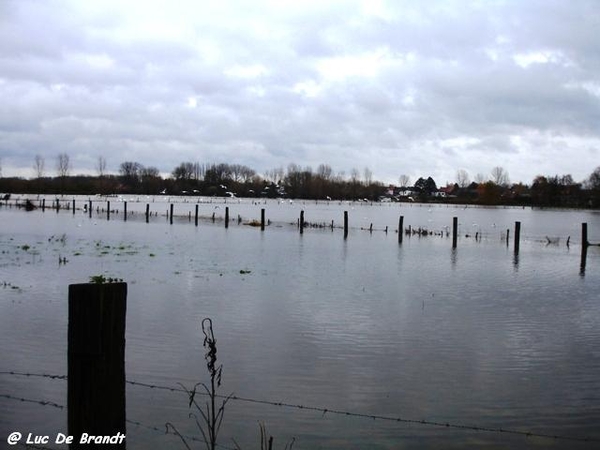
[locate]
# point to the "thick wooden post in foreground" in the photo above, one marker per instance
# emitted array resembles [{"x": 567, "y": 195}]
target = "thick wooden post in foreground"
[
  {"x": 73, "y": 206},
  {"x": 262, "y": 219},
  {"x": 90, "y": 208},
  {"x": 171, "y": 214},
  {"x": 301, "y": 223},
  {"x": 454, "y": 231},
  {"x": 108, "y": 210},
  {"x": 196, "y": 215},
  {"x": 125, "y": 211},
  {"x": 227, "y": 217},
  {"x": 147, "y": 212},
  {"x": 43, "y": 204},
  {"x": 96, "y": 356},
  {"x": 517, "y": 236}
]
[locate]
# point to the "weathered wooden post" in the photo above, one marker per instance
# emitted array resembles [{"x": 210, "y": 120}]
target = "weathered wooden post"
[
  {"x": 147, "y": 212},
  {"x": 125, "y": 211},
  {"x": 454, "y": 231},
  {"x": 507, "y": 236},
  {"x": 400, "y": 229},
  {"x": 345, "y": 224},
  {"x": 57, "y": 205},
  {"x": 96, "y": 362},
  {"x": 584, "y": 248},
  {"x": 90, "y": 208},
  {"x": 262, "y": 219},
  {"x": 371, "y": 228},
  {"x": 301, "y": 223},
  {"x": 73, "y": 206},
  {"x": 517, "y": 236},
  {"x": 43, "y": 205},
  {"x": 196, "y": 215},
  {"x": 108, "y": 210},
  {"x": 171, "y": 213},
  {"x": 227, "y": 217}
]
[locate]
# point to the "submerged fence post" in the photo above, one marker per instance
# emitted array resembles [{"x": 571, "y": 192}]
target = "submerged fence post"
[
  {"x": 108, "y": 210},
  {"x": 301, "y": 223},
  {"x": 43, "y": 205},
  {"x": 73, "y": 206},
  {"x": 147, "y": 212},
  {"x": 517, "y": 236},
  {"x": 90, "y": 208},
  {"x": 171, "y": 213},
  {"x": 96, "y": 362},
  {"x": 454, "y": 231},
  {"x": 584, "y": 248},
  {"x": 262, "y": 219},
  {"x": 345, "y": 224},
  {"x": 196, "y": 215},
  {"x": 507, "y": 236},
  {"x": 125, "y": 211},
  {"x": 227, "y": 217},
  {"x": 400, "y": 229}
]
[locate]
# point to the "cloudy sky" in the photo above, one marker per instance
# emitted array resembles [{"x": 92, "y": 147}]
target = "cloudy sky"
[{"x": 421, "y": 88}]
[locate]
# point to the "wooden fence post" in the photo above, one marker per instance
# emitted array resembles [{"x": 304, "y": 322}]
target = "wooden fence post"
[
  {"x": 73, "y": 206},
  {"x": 262, "y": 219},
  {"x": 227, "y": 217},
  {"x": 43, "y": 205},
  {"x": 125, "y": 211},
  {"x": 90, "y": 208},
  {"x": 517, "y": 236},
  {"x": 196, "y": 215},
  {"x": 454, "y": 231},
  {"x": 345, "y": 224},
  {"x": 96, "y": 359},
  {"x": 108, "y": 210},
  {"x": 147, "y": 212},
  {"x": 400, "y": 229},
  {"x": 301, "y": 223}
]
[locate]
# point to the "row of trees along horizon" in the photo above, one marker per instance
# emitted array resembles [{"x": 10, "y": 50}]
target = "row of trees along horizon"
[{"x": 192, "y": 178}]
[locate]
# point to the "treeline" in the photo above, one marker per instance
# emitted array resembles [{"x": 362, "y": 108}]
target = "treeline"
[
  {"x": 226, "y": 180},
  {"x": 205, "y": 179}
]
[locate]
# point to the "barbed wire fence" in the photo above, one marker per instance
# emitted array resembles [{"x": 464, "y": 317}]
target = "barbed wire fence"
[{"x": 321, "y": 410}]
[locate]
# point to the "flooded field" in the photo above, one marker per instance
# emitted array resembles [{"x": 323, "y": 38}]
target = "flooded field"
[{"x": 474, "y": 336}]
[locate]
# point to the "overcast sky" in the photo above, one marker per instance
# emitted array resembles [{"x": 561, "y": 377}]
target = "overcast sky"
[{"x": 421, "y": 88}]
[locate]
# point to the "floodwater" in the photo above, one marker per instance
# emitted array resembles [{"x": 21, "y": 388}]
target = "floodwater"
[{"x": 475, "y": 336}]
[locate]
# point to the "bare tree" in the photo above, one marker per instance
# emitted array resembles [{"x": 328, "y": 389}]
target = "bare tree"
[
  {"x": 462, "y": 178},
  {"x": 593, "y": 181},
  {"x": 38, "y": 166},
  {"x": 404, "y": 181},
  {"x": 324, "y": 171},
  {"x": 101, "y": 166},
  {"x": 480, "y": 178},
  {"x": 368, "y": 173},
  {"x": 63, "y": 165},
  {"x": 500, "y": 176}
]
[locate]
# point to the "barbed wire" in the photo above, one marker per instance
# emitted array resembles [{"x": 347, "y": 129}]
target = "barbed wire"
[{"x": 333, "y": 411}]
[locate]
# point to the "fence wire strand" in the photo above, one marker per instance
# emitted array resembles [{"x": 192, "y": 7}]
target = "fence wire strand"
[{"x": 321, "y": 410}]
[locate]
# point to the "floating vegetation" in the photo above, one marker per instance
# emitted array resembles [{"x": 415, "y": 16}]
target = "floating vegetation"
[
  {"x": 244, "y": 272},
  {"x": 25, "y": 247},
  {"x": 101, "y": 279}
]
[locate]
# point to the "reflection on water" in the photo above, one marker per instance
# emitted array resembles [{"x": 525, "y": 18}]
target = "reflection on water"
[{"x": 474, "y": 335}]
